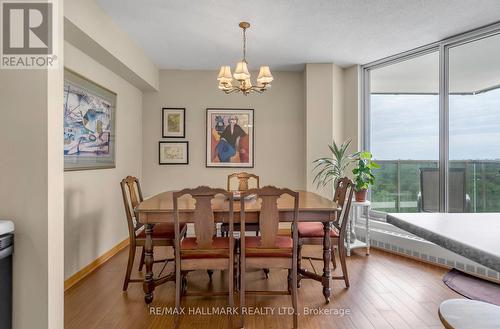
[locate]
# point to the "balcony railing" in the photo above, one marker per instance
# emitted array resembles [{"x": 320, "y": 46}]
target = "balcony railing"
[{"x": 398, "y": 184}]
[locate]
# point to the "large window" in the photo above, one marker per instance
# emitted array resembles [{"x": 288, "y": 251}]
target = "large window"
[
  {"x": 433, "y": 123},
  {"x": 474, "y": 125},
  {"x": 404, "y": 130}
]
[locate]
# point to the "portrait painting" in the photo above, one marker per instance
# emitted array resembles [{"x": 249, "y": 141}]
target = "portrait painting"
[
  {"x": 89, "y": 124},
  {"x": 174, "y": 124},
  {"x": 230, "y": 140}
]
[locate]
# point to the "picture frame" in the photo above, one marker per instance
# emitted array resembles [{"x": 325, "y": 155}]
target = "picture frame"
[
  {"x": 89, "y": 124},
  {"x": 229, "y": 138},
  {"x": 173, "y": 122},
  {"x": 173, "y": 153}
]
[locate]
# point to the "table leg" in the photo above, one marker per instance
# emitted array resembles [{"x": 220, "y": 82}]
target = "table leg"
[
  {"x": 327, "y": 255},
  {"x": 148, "y": 285},
  {"x": 367, "y": 235}
]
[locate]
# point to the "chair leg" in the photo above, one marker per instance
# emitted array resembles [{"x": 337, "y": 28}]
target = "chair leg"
[
  {"x": 184, "y": 283},
  {"x": 141, "y": 263},
  {"x": 299, "y": 261},
  {"x": 178, "y": 288},
  {"x": 295, "y": 299},
  {"x": 242, "y": 292},
  {"x": 342, "y": 256},
  {"x": 289, "y": 281},
  {"x": 334, "y": 262},
  {"x": 237, "y": 266},
  {"x": 130, "y": 264},
  {"x": 230, "y": 281}
]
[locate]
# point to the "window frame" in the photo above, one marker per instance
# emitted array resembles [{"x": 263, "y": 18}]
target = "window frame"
[{"x": 442, "y": 47}]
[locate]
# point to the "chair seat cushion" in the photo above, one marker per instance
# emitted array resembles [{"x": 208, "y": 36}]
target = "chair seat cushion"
[
  {"x": 162, "y": 231},
  {"x": 284, "y": 245},
  {"x": 313, "y": 230},
  {"x": 189, "y": 249}
]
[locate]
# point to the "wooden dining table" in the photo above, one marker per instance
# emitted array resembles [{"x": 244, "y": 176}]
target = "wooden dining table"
[{"x": 159, "y": 209}]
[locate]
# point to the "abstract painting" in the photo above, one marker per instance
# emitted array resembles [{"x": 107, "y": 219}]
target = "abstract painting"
[
  {"x": 229, "y": 139},
  {"x": 89, "y": 124},
  {"x": 173, "y": 122},
  {"x": 173, "y": 153}
]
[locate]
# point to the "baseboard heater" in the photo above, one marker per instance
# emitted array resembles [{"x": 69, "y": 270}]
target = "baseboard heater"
[{"x": 406, "y": 244}]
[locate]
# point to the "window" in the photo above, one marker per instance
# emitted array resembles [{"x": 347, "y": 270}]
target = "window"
[
  {"x": 474, "y": 126},
  {"x": 404, "y": 130},
  {"x": 439, "y": 149}
]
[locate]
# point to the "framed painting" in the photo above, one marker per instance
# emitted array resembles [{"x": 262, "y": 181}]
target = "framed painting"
[
  {"x": 172, "y": 153},
  {"x": 173, "y": 122},
  {"x": 89, "y": 124},
  {"x": 229, "y": 138}
]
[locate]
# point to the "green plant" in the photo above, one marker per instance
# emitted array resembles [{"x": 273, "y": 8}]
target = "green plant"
[
  {"x": 363, "y": 176},
  {"x": 333, "y": 168}
]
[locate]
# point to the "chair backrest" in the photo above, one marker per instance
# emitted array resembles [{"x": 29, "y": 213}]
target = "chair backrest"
[
  {"x": 429, "y": 187},
  {"x": 204, "y": 227},
  {"x": 343, "y": 198},
  {"x": 269, "y": 213},
  {"x": 243, "y": 178},
  {"x": 457, "y": 190},
  {"x": 341, "y": 190},
  {"x": 132, "y": 196}
]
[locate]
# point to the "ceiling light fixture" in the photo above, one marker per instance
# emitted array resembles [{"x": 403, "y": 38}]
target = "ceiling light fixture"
[{"x": 241, "y": 74}]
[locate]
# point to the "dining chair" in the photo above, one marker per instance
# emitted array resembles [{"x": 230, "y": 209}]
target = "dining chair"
[
  {"x": 270, "y": 250},
  {"x": 163, "y": 234},
  {"x": 243, "y": 180},
  {"x": 204, "y": 250},
  {"x": 312, "y": 233}
]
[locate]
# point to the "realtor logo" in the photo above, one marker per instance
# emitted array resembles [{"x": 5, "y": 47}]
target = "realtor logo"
[{"x": 27, "y": 34}]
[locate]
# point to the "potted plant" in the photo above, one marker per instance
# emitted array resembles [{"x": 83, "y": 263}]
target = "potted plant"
[
  {"x": 363, "y": 176},
  {"x": 333, "y": 168}
]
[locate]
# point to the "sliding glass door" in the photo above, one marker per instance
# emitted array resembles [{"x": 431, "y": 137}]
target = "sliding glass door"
[
  {"x": 432, "y": 120},
  {"x": 404, "y": 100},
  {"x": 474, "y": 126}
]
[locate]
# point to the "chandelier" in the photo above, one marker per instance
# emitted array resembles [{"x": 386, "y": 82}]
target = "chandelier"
[{"x": 241, "y": 74}]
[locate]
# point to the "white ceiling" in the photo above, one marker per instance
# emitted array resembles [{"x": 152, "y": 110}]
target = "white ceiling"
[{"x": 285, "y": 34}]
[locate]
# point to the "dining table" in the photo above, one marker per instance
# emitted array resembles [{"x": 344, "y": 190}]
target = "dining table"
[{"x": 159, "y": 209}]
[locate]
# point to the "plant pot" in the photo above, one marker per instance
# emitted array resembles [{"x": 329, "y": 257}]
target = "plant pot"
[{"x": 360, "y": 196}]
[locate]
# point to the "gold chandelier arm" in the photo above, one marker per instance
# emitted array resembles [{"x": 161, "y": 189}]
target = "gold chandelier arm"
[
  {"x": 232, "y": 90},
  {"x": 260, "y": 90}
]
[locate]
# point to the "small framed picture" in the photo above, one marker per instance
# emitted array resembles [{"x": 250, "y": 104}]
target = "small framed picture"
[
  {"x": 171, "y": 153},
  {"x": 173, "y": 122}
]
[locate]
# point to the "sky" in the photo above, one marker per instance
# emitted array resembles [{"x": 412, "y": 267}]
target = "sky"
[{"x": 406, "y": 127}]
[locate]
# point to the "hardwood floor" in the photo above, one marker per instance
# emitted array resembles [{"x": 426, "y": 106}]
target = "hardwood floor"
[{"x": 387, "y": 291}]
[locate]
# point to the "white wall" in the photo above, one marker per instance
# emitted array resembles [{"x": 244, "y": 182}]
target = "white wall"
[
  {"x": 92, "y": 30},
  {"x": 30, "y": 192},
  {"x": 324, "y": 116},
  {"x": 279, "y": 130},
  {"x": 352, "y": 128},
  {"x": 31, "y": 186},
  {"x": 94, "y": 214}
]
